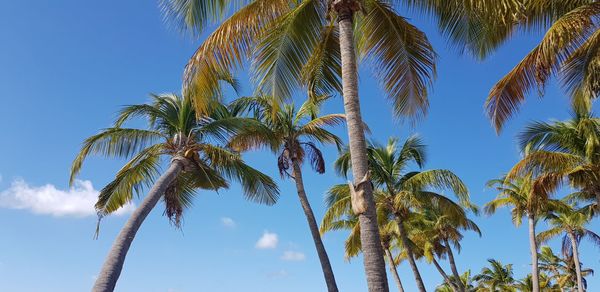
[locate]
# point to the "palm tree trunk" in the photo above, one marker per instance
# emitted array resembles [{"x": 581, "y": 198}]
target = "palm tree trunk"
[
  {"x": 461, "y": 287},
  {"x": 394, "y": 270},
  {"x": 369, "y": 236},
  {"x": 444, "y": 275},
  {"x": 535, "y": 277},
  {"x": 107, "y": 279},
  {"x": 314, "y": 228},
  {"x": 576, "y": 260},
  {"x": 410, "y": 255}
]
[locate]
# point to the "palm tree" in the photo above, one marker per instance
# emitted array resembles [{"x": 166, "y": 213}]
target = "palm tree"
[
  {"x": 562, "y": 270},
  {"x": 289, "y": 133},
  {"x": 338, "y": 200},
  {"x": 196, "y": 162},
  {"x": 572, "y": 224},
  {"x": 439, "y": 231},
  {"x": 399, "y": 191},
  {"x": 298, "y": 44},
  {"x": 497, "y": 278},
  {"x": 465, "y": 278},
  {"x": 526, "y": 198},
  {"x": 565, "y": 150},
  {"x": 526, "y": 284}
]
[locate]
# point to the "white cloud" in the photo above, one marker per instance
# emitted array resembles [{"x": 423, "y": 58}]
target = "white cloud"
[
  {"x": 77, "y": 201},
  {"x": 293, "y": 256},
  {"x": 228, "y": 222},
  {"x": 267, "y": 241}
]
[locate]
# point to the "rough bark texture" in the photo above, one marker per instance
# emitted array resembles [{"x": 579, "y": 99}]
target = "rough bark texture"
[
  {"x": 314, "y": 228},
  {"x": 444, "y": 275},
  {"x": 108, "y": 276},
  {"x": 576, "y": 260},
  {"x": 369, "y": 236},
  {"x": 410, "y": 255},
  {"x": 535, "y": 277},
  {"x": 461, "y": 286},
  {"x": 394, "y": 270}
]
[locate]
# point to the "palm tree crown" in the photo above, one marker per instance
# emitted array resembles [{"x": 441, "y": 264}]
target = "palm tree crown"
[{"x": 173, "y": 131}]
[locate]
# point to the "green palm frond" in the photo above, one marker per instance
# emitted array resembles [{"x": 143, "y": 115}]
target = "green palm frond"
[
  {"x": 285, "y": 47},
  {"x": 404, "y": 58},
  {"x": 114, "y": 142},
  {"x": 139, "y": 173}
]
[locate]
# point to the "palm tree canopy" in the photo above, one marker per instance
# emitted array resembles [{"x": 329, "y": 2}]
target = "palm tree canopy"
[
  {"x": 398, "y": 192},
  {"x": 497, "y": 277},
  {"x": 173, "y": 130},
  {"x": 293, "y": 44},
  {"x": 569, "y": 221},
  {"x": 292, "y": 133}
]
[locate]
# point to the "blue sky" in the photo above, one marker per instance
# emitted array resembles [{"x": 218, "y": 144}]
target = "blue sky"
[{"x": 67, "y": 66}]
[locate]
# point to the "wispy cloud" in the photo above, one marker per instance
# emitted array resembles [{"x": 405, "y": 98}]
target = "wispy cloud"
[
  {"x": 77, "y": 201},
  {"x": 267, "y": 241},
  {"x": 293, "y": 256},
  {"x": 228, "y": 222}
]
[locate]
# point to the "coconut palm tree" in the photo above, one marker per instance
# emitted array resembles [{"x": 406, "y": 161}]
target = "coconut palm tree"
[
  {"x": 440, "y": 232},
  {"x": 398, "y": 191},
  {"x": 565, "y": 151},
  {"x": 527, "y": 199},
  {"x": 196, "y": 161},
  {"x": 497, "y": 278},
  {"x": 465, "y": 278},
  {"x": 292, "y": 134},
  {"x": 562, "y": 270},
  {"x": 572, "y": 223},
  {"x": 526, "y": 284},
  {"x": 317, "y": 44}
]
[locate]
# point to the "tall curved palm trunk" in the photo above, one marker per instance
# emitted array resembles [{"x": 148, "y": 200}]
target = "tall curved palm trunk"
[
  {"x": 455, "y": 273},
  {"x": 410, "y": 255},
  {"x": 393, "y": 269},
  {"x": 107, "y": 279},
  {"x": 576, "y": 261},
  {"x": 314, "y": 228},
  {"x": 369, "y": 232},
  {"x": 535, "y": 277}
]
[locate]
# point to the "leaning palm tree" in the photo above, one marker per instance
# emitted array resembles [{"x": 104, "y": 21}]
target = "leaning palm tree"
[
  {"x": 527, "y": 199},
  {"x": 312, "y": 44},
  {"x": 398, "y": 191},
  {"x": 497, "y": 278},
  {"x": 290, "y": 133},
  {"x": 196, "y": 161},
  {"x": 572, "y": 223}
]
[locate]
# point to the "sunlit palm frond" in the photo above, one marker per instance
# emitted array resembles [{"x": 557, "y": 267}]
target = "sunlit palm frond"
[
  {"x": 139, "y": 173},
  {"x": 561, "y": 39},
  {"x": 114, "y": 142},
  {"x": 285, "y": 47},
  {"x": 404, "y": 58}
]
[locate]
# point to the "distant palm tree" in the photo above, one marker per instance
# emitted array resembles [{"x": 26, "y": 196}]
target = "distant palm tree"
[
  {"x": 526, "y": 284},
  {"x": 290, "y": 133},
  {"x": 565, "y": 150},
  {"x": 527, "y": 199},
  {"x": 497, "y": 278},
  {"x": 572, "y": 224},
  {"x": 398, "y": 191},
  {"x": 561, "y": 270},
  {"x": 196, "y": 161},
  {"x": 437, "y": 231},
  {"x": 465, "y": 278}
]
